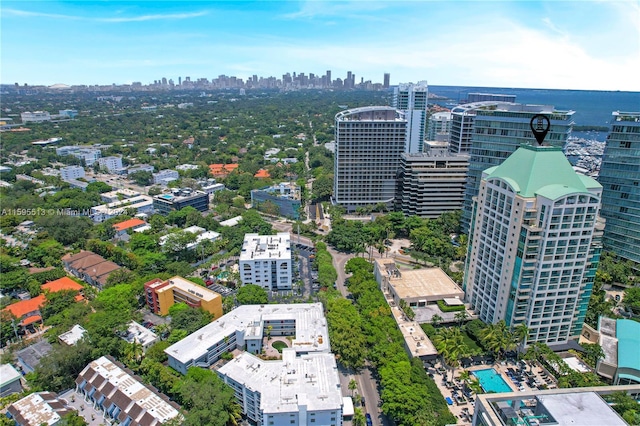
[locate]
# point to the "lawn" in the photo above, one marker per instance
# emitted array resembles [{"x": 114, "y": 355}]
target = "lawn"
[
  {"x": 279, "y": 345},
  {"x": 470, "y": 343}
]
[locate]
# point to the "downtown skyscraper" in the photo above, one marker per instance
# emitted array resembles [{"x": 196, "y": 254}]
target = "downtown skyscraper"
[
  {"x": 412, "y": 100},
  {"x": 620, "y": 179},
  {"x": 369, "y": 143},
  {"x": 498, "y": 130},
  {"x": 534, "y": 244}
]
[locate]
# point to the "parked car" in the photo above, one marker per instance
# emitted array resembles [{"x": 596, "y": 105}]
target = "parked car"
[{"x": 367, "y": 417}]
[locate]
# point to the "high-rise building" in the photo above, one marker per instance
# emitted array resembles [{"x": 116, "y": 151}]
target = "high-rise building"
[
  {"x": 494, "y": 97},
  {"x": 462, "y": 117},
  {"x": 432, "y": 182},
  {"x": 329, "y": 81},
  {"x": 498, "y": 129},
  {"x": 620, "y": 179},
  {"x": 369, "y": 142},
  {"x": 439, "y": 126},
  {"x": 534, "y": 244},
  {"x": 387, "y": 80},
  {"x": 412, "y": 100}
]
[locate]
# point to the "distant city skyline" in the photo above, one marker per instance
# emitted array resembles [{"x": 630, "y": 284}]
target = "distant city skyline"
[{"x": 535, "y": 44}]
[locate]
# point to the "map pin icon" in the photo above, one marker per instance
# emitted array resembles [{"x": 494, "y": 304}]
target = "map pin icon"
[{"x": 540, "y": 125}]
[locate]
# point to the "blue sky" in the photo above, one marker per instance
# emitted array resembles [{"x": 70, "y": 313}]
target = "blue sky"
[{"x": 553, "y": 44}]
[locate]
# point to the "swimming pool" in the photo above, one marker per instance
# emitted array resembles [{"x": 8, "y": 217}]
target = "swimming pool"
[{"x": 492, "y": 381}]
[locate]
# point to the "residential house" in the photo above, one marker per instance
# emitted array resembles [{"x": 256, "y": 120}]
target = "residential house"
[{"x": 90, "y": 267}]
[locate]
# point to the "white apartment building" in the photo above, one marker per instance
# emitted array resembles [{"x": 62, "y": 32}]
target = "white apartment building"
[
  {"x": 137, "y": 204},
  {"x": 412, "y": 100},
  {"x": 71, "y": 172},
  {"x": 111, "y": 163},
  {"x": 35, "y": 116},
  {"x": 140, "y": 168},
  {"x": 265, "y": 260},
  {"x": 163, "y": 177},
  {"x": 369, "y": 142},
  {"x": 301, "y": 390},
  {"x": 534, "y": 244},
  {"x": 89, "y": 155},
  {"x": 302, "y": 386},
  {"x": 185, "y": 167}
]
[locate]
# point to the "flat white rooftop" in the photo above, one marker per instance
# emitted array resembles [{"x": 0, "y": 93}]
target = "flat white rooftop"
[
  {"x": 8, "y": 374},
  {"x": 72, "y": 336},
  {"x": 231, "y": 222},
  {"x": 266, "y": 247},
  {"x": 137, "y": 333},
  {"x": 310, "y": 380},
  {"x": 311, "y": 332},
  {"x": 580, "y": 408},
  {"x": 117, "y": 206}
]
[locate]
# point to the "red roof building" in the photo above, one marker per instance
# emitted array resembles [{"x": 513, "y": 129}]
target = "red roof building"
[
  {"x": 28, "y": 311},
  {"x": 222, "y": 170},
  {"x": 262, "y": 174},
  {"x": 129, "y": 224}
]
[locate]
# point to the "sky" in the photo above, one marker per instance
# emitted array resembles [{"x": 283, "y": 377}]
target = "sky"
[{"x": 583, "y": 45}]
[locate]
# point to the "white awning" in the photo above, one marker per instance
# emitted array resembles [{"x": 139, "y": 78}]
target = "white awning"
[{"x": 347, "y": 407}]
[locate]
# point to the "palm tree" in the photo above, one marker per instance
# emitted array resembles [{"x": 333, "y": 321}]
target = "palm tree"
[
  {"x": 451, "y": 347},
  {"x": 134, "y": 352},
  {"x": 269, "y": 328},
  {"x": 353, "y": 385},
  {"x": 474, "y": 385},
  {"x": 235, "y": 413},
  {"x": 461, "y": 317},
  {"x": 520, "y": 335},
  {"x": 163, "y": 330},
  {"x": 436, "y": 319},
  {"x": 497, "y": 338},
  {"x": 464, "y": 376},
  {"x": 358, "y": 418}
]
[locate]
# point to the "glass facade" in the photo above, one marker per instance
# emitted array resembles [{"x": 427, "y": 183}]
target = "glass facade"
[
  {"x": 369, "y": 142},
  {"x": 497, "y": 132},
  {"x": 620, "y": 179}
]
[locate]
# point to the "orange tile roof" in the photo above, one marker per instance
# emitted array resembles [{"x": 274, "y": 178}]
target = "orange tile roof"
[
  {"x": 64, "y": 283},
  {"x": 127, "y": 224},
  {"x": 31, "y": 319},
  {"x": 222, "y": 169},
  {"x": 24, "y": 307},
  {"x": 262, "y": 173}
]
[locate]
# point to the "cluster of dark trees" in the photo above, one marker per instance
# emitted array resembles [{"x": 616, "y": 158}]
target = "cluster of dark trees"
[{"x": 409, "y": 396}]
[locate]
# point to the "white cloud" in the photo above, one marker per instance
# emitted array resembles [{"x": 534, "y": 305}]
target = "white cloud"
[
  {"x": 25, "y": 13},
  {"x": 143, "y": 18},
  {"x": 140, "y": 18},
  {"x": 359, "y": 10}
]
